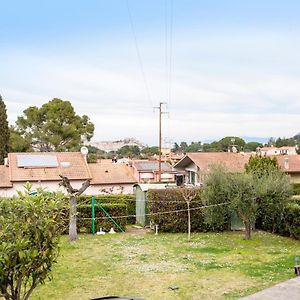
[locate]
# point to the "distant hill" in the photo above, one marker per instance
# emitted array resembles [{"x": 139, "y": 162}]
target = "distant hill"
[
  {"x": 108, "y": 146},
  {"x": 262, "y": 140}
]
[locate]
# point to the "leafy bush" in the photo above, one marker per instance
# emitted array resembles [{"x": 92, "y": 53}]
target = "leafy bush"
[
  {"x": 30, "y": 227},
  {"x": 273, "y": 193},
  {"x": 291, "y": 224},
  {"x": 160, "y": 202},
  {"x": 296, "y": 188},
  {"x": 217, "y": 191},
  {"x": 128, "y": 200}
]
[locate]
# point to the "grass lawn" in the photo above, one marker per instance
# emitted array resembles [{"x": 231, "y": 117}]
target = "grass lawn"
[{"x": 212, "y": 266}]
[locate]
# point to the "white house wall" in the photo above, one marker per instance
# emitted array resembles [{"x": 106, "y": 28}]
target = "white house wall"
[{"x": 53, "y": 186}]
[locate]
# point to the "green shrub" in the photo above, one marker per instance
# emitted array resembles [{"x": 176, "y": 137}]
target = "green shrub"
[
  {"x": 296, "y": 188},
  {"x": 162, "y": 201},
  {"x": 128, "y": 200},
  {"x": 30, "y": 227},
  {"x": 273, "y": 193},
  {"x": 291, "y": 224},
  {"x": 217, "y": 191}
]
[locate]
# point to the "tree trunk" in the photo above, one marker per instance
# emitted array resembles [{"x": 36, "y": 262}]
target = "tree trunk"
[
  {"x": 73, "y": 219},
  {"x": 247, "y": 230},
  {"x": 189, "y": 221}
]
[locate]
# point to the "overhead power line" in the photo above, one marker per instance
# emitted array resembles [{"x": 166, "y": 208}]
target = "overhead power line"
[{"x": 139, "y": 54}]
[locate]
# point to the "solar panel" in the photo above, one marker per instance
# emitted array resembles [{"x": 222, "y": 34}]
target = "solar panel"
[{"x": 37, "y": 161}]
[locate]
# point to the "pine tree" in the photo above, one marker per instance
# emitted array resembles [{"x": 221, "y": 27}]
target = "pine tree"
[{"x": 4, "y": 131}]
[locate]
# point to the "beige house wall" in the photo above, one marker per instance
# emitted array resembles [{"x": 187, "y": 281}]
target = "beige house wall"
[
  {"x": 53, "y": 186},
  {"x": 295, "y": 177}
]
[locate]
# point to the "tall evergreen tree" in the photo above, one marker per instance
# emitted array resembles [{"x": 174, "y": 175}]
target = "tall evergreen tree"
[{"x": 4, "y": 131}]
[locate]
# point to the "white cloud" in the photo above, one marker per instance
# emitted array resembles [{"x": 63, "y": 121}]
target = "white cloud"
[{"x": 222, "y": 85}]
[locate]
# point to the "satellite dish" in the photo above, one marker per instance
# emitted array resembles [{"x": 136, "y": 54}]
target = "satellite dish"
[{"x": 84, "y": 150}]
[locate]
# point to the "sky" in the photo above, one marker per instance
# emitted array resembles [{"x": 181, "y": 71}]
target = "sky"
[{"x": 223, "y": 67}]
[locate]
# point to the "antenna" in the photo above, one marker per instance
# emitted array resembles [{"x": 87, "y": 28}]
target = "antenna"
[{"x": 84, "y": 151}]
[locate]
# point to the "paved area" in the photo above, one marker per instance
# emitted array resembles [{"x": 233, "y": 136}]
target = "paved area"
[{"x": 287, "y": 290}]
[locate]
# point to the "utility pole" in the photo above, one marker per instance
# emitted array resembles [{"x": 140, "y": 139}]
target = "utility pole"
[{"x": 159, "y": 138}]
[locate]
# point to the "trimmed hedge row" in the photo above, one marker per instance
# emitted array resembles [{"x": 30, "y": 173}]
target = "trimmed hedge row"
[
  {"x": 291, "y": 225},
  {"x": 84, "y": 213},
  {"x": 296, "y": 188},
  {"x": 160, "y": 202},
  {"x": 128, "y": 200},
  {"x": 84, "y": 217}
]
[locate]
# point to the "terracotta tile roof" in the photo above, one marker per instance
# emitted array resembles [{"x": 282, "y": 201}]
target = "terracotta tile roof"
[
  {"x": 147, "y": 165},
  {"x": 76, "y": 168},
  {"x": 292, "y": 161},
  {"x": 106, "y": 172},
  {"x": 234, "y": 162},
  {"x": 4, "y": 177}
]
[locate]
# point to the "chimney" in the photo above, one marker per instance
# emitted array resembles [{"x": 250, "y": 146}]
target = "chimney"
[
  {"x": 286, "y": 163},
  {"x": 6, "y": 162}
]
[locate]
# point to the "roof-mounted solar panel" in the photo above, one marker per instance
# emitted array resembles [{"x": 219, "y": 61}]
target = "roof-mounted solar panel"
[{"x": 37, "y": 161}]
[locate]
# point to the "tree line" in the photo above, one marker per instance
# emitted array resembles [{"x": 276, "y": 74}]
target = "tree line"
[{"x": 54, "y": 126}]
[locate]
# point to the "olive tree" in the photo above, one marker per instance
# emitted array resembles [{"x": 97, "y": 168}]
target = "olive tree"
[
  {"x": 73, "y": 195},
  {"x": 216, "y": 196},
  {"x": 30, "y": 227},
  {"x": 243, "y": 200}
]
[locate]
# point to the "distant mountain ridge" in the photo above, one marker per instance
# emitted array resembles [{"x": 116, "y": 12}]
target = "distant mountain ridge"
[{"x": 108, "y": 146}]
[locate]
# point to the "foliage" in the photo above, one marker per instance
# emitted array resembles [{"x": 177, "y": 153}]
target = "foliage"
[
  {"x": 260, "y": 166},
  {"x": 54, "y": 127},
  {"x": 273, "y": 191},
  {"x": 129, "y": 151},
  {"x": 148, "y": 152},
  {"x": 4, "y": 132},
  {"x": 252, "y": 146},
  {"x": 185, "y": 147},
  {"x": 291, "y": 221},
  {"x": 296, "y": 188},
  {"x": 243, "y": 200},
  {"x": 217, "y": 191},
  {"x": 17, "y": 143},
  {"x": 116, "y": 210},
  {"x": 30, "y": 227},
  {"x": 162, "y": 201},
  {"x": 280, "y": 142},
  {"x": 128, "y": 200},
  {"x": 228, "y": 142}
]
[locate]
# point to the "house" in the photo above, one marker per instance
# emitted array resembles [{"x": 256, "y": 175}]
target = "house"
[
  {"x": 112, "y": 177},
  {"x": 271, "y": 151},
  {"x": 146, "y": 171},
  {"x": 290, "y": 164},
  {"x": 193, "y": 167},
  {"x": 43, "y": 170}
]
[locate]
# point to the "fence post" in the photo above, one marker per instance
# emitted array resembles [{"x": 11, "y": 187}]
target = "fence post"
[{"x": 93, "y": 215}]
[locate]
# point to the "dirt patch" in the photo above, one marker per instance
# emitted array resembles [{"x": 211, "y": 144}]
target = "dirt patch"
[{"x": 137, "y": 230}]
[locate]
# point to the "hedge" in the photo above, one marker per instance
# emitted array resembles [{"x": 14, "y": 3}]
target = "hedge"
[
  {"x": 291, "y": 224},
  {"x": 128, "y": 200},
  {"x": 84, "y": 214},
  {"x": 162, "y": 201},
  {"x": 296, "y": 188}
]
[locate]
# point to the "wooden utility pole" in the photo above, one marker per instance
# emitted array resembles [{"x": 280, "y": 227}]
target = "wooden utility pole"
[{"x": 159, "y": 138}]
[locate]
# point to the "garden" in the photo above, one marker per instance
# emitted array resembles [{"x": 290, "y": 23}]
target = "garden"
[
  {"x": 212, "y": 266},
  {"x": 193, "y": 256}
]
